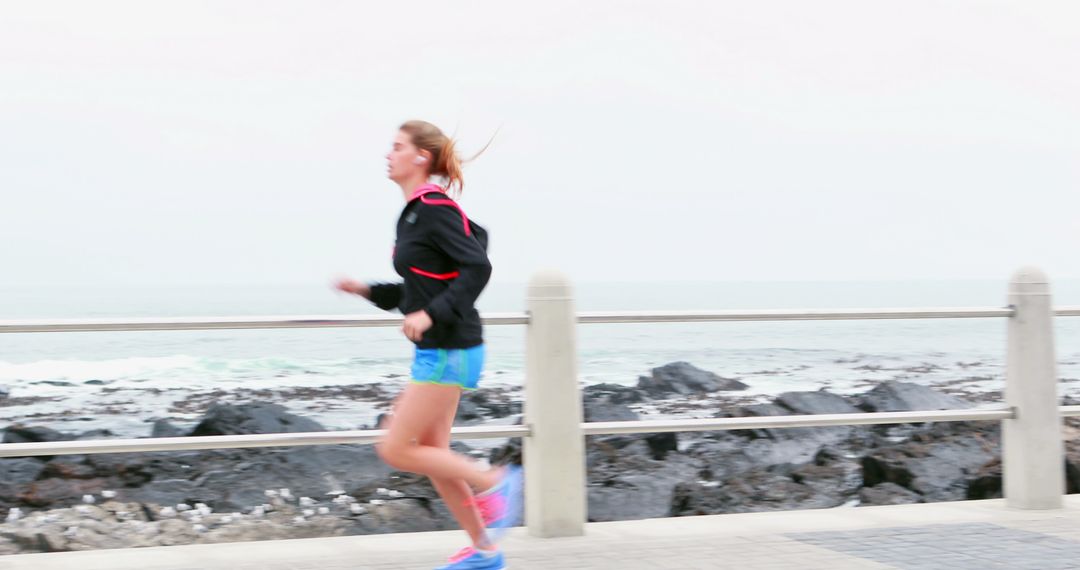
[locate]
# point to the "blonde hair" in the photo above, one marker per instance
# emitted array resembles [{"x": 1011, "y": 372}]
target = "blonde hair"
[{"x": 445, "y": 161}]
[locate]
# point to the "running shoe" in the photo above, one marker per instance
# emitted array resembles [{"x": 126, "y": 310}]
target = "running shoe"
[
  {"x": 500, "y": 507},
  {"x": 469, "y": 558}
]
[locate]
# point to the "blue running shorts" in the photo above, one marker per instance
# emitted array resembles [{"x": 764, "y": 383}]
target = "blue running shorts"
[{"x": 449, "y": 366}]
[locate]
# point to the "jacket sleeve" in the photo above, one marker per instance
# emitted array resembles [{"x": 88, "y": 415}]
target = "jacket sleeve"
[
  {"x": 386, "y": 296},
  {"x": 447, "y": 233}
]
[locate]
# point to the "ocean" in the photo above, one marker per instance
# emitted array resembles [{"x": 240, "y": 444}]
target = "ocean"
[{"x": 123, "y": 381}]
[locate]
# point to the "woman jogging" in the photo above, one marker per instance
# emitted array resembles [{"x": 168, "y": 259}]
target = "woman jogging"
[{"x": 442, "y": 259}]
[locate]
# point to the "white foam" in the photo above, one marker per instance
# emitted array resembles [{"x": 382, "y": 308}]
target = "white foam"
[{"x": 83, "y": 370}]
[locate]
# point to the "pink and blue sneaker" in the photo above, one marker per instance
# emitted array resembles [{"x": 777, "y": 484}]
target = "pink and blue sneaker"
[
  {"x": 500, "y": 506},
  {"x": 469, "y": 558}
]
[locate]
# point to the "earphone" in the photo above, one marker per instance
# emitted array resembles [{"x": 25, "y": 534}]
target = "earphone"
[{"x": 419, "y": 160}]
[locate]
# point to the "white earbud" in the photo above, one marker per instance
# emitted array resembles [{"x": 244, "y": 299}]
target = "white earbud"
[{"x": 419, "y": 160}]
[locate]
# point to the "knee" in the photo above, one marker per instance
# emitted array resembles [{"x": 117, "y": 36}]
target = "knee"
[{"x": 392, "y": 453}]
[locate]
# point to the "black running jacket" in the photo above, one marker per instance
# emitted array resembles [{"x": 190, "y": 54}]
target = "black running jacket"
[{"x": 442, "y": 257}]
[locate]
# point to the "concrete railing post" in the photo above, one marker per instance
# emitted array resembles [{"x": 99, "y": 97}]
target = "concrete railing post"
[
  {"x": 1033, "y": 453},
  {"x": 554, "y": 454}
]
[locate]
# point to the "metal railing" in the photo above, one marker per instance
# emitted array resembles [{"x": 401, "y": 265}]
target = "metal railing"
[
  {"x": 587, "y": 317},
  {"x": 553, "y": 429}
]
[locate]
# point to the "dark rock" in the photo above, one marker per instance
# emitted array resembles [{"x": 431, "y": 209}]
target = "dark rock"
[
  {"x": 602, "y": 411},
  {"x": 986, "y": 482},
  {"x": 728, "y": 455},
  {"x": 895, "y": 396},
  {"x": 812, "y": 439},
  {"x": 21, "y": 434},
  {"x": 95, "y": 434},
  {"x": 59, "y": 492},
  {"x": 939, "y": 471},
  {"x": 404, "y": 515},
  {"x": 506, "y": 454},
  {"x": 886, "y": 467},
  {"x": 613, "y": 453},
  {"x": 839, "y": 480},
  {"x": 624, "y": 467},
  {"x": 467, "y": 413},
  {"x": 759, "y": 490},
  {"x": 162, "y": 428},
  {"x": 1072, "y": 477},
  {"x": 725, "y": 455},
  {"x": 791, "y": 451},
  {"x": 20, "y": 470},
  {"x": 237, "y": 479},
  {"x": 773, "y": 469},
  {"x": 14, "y": 475},
  {"x": 490, "y": 403},
  {"x": 127, "y": 469},
  {"x": 756, "y": 411},
  {"x": 607, "y": 403},
  {"x": 827, "y": 455},
  {"x": 226, "y": 480},
  {"x": 411, "y": 485},
  {"x": 660, "y": 444},
  {"x": 228, "y": 419},
  {"x": 888, "y": 494},
  {"x": 170, "y": 492},
  {"x": 416, "y": 493},
  {"x": 614, "y": 393},
  {"x": 307, "y": 471},
  {"x": 819, "y": 402},
  {"x": 682, "y": 378},
  {"x": 629, "y": 476},
  {"x": 68, "y": 467}
]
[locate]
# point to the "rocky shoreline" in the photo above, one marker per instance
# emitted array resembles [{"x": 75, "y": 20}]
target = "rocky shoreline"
[{"x": 124, "y": 500}]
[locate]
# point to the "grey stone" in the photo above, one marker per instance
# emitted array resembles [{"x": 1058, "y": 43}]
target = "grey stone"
[
  {"x": 20, "y": 470},
  {"x": 162, "y": 428},
  {"x": 888, "y": 494},
  {"x": 228, "y": 419},
  {"x": 895, "y": 396},
  {"x": 25, "y": 434},
  {"x": 683, "y": 378},
  {"x": 819, "y": 402}
]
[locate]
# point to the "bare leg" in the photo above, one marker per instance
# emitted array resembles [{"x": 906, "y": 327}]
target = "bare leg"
[
  {"x": 418, "y": 408},
  {"x": 428, "y": 411},
  {"x": 456, "y": 493}
]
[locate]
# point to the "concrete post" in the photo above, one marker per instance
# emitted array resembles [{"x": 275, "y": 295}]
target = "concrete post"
[
  {"x": 1033, "y": 453},
  {"x": 554, "y": 455}
]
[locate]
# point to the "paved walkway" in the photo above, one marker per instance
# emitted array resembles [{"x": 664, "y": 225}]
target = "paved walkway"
[{"x": 975, "y": 535}]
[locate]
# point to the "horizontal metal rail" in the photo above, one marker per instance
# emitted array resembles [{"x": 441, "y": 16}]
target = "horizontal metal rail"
[
  {"x": 491, "y": 432},
  {"x": 790, "y": 315},
  {"x": 96, "y": 446},
  {"x": 816, "y": 420},
  {"x": 1070, "y": 411},
  {"x": 216, "y": 323},
  {"x": 375, "y": 321}
]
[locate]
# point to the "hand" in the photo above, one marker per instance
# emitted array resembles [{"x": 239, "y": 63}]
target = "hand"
[
  {"x": 351, "y": 286},
  {"x": 415, "y": 325}
]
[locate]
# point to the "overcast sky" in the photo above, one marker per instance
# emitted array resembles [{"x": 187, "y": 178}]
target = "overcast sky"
[{"x": 173, "y": 142}]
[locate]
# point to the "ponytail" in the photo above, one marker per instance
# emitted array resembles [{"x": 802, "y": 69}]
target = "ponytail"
[
  {"x": 445, "y": 161},
  {"x": 448, "y": 166}
]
